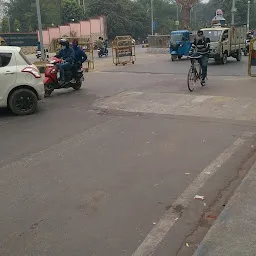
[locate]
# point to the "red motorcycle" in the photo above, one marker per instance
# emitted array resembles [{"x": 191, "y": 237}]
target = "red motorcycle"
[{"x": 52, "y": 77}]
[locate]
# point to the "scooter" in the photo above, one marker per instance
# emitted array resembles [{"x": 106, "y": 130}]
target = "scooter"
[
  {"x": 102, "y": 52},
  {"x": 52, "y": 78}
]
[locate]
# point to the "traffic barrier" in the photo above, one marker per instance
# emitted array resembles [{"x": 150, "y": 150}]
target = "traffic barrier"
[
  {"x": 158, "y": 43},
  {"x": 252, "y": 59},
  {"x": 123, "y": 50},
  {"x": 41, "y": 65}
]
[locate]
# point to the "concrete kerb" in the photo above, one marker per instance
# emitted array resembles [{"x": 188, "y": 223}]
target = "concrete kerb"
[{"x": 234, "y": 232}]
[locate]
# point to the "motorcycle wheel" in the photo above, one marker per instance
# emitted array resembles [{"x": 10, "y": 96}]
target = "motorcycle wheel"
[
  {"x": 77, "y": 86},
  {"x": 47, "y": 91}
]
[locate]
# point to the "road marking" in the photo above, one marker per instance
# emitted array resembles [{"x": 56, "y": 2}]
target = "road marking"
[
  {"x": 202, "y": 98},
  {"x": 157, "y": 234}
]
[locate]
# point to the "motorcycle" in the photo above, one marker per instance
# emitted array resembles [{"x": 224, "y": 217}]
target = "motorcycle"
[
  {"x": 38, "y": 54},
  {"x": 52, "y": 78},
  {"x": 247, "y": 47},
  {"x": 102, "y": 52}
]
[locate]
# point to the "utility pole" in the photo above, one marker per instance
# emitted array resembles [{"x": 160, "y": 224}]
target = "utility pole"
[
  {"x": 40, "y": 29},
  {"x": 152, "y": 18},
  {"x": 233, "y": 10},
  {"x": 248, "y": 16},
  {"x": 177, "y": 17},
  {"x": 84, "y": 5}
]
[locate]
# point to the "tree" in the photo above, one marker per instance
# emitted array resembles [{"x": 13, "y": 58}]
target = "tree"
[
  {"x": 124, "y": 17},
  {"x": 5, "y": 25},
  {"x": 16, "y": 25},
  {"x": 71, "y": 11}
]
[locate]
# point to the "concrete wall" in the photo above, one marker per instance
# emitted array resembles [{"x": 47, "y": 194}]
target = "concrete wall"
[
  {"x": 65, "y": 30},
  {"x": 75, "y": 29},
  {"x": 54, "y": 33},
  {"x": 85, "y": 28},
  {"x": 95, "y": 26}
]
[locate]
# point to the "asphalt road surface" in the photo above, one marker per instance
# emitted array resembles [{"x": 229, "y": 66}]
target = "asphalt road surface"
[{"x": 113, "y": 169}]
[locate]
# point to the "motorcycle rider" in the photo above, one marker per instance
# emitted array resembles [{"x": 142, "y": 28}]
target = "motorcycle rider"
[
  {"x": 67, "y": 54},
  {"x": 201, "y": 44},
  {"x": 80, "y": 57}
]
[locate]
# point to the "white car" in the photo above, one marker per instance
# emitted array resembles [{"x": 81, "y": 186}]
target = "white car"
[{"x": 21, "y": 85}]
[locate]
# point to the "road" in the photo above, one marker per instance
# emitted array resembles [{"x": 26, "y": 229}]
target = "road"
[
  {"x": 113, "y": 169},
  {"x": 138, "y": 49}
]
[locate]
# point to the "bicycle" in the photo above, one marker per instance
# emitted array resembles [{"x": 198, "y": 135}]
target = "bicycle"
[{"x": 195, "y": 72}]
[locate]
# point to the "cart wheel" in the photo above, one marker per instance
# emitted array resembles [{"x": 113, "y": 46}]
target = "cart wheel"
[{"x": 133, "y": 62}]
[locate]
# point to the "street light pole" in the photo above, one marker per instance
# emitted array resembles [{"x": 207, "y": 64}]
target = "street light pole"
[
  {"x": 40, "y": 29},
  {"x": 233, "y": 10},
  {"x": 152, "y": 18},
  {"x": 248, "y": 16}
]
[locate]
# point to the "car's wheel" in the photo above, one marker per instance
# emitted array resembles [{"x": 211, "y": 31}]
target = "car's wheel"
[
  {"x": 23, "y": 102},
  {"x": 224, "y": 58},
  {"x": 77, "y": 86},
  {"x": 179, "y": 57}
]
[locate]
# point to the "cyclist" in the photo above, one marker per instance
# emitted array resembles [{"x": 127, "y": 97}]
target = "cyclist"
[{"x": 201, "y": 46}]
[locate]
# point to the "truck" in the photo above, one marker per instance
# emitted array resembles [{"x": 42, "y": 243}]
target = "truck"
[{"x": 226, "y": 42}]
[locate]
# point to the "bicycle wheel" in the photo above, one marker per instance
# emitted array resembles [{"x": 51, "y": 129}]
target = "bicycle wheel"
[{"x": 191, "y": 80}]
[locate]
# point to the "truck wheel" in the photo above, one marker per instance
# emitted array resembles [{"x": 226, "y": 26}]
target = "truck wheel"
[
  {"x": 224, "y": 59},
  {"x": 23, "y": 102},
  {"x": 239, "y": 56}
]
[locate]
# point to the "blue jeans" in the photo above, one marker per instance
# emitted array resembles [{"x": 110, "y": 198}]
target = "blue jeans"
[
  {"x": 204, "y": 63},
  {"x": 62, "y": 67}
]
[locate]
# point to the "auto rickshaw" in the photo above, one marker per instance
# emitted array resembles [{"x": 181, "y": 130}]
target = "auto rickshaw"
[{"x": 179, "y": 44}]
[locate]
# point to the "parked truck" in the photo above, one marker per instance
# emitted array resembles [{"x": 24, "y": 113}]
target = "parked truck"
[{"x": 226, "y": 42}]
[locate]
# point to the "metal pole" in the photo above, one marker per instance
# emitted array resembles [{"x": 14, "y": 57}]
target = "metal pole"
[
  {"x": 9, "y": 24},
  {"x": 233, "y": 10},
  {"x": 248, "y": 16},
  {"x": 177, "y": 16},
  {"x": 152, "y": 18},
  {"x": 40, "y": 29}
]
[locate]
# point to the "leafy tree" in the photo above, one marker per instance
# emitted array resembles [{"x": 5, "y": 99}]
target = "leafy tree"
[
  {"x": 71, "y": 11},
  {"x": 16, "y": 25},
  {"x": 124, "y": 17},
  {"x": 4, "y": 25}
]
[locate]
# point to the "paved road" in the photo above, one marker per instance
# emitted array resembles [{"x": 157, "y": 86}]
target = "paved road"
[
  {"x": 113, "y": 168},
  {"x": 138, "y": 49}
]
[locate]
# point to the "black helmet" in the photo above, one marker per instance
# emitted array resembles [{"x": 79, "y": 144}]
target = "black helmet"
[
  {"x": 200, "y": 32},
  {"x": 64, "y": 41}
]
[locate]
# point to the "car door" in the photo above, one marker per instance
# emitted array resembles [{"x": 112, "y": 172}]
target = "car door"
[{"x": 8, "y": 71}]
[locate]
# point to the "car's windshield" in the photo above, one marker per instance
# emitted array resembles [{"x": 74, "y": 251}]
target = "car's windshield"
[
  {"x": 213, "y": 35},
  {"x": 176, "y": 37},
  {"x": 25, "y": 58}
]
